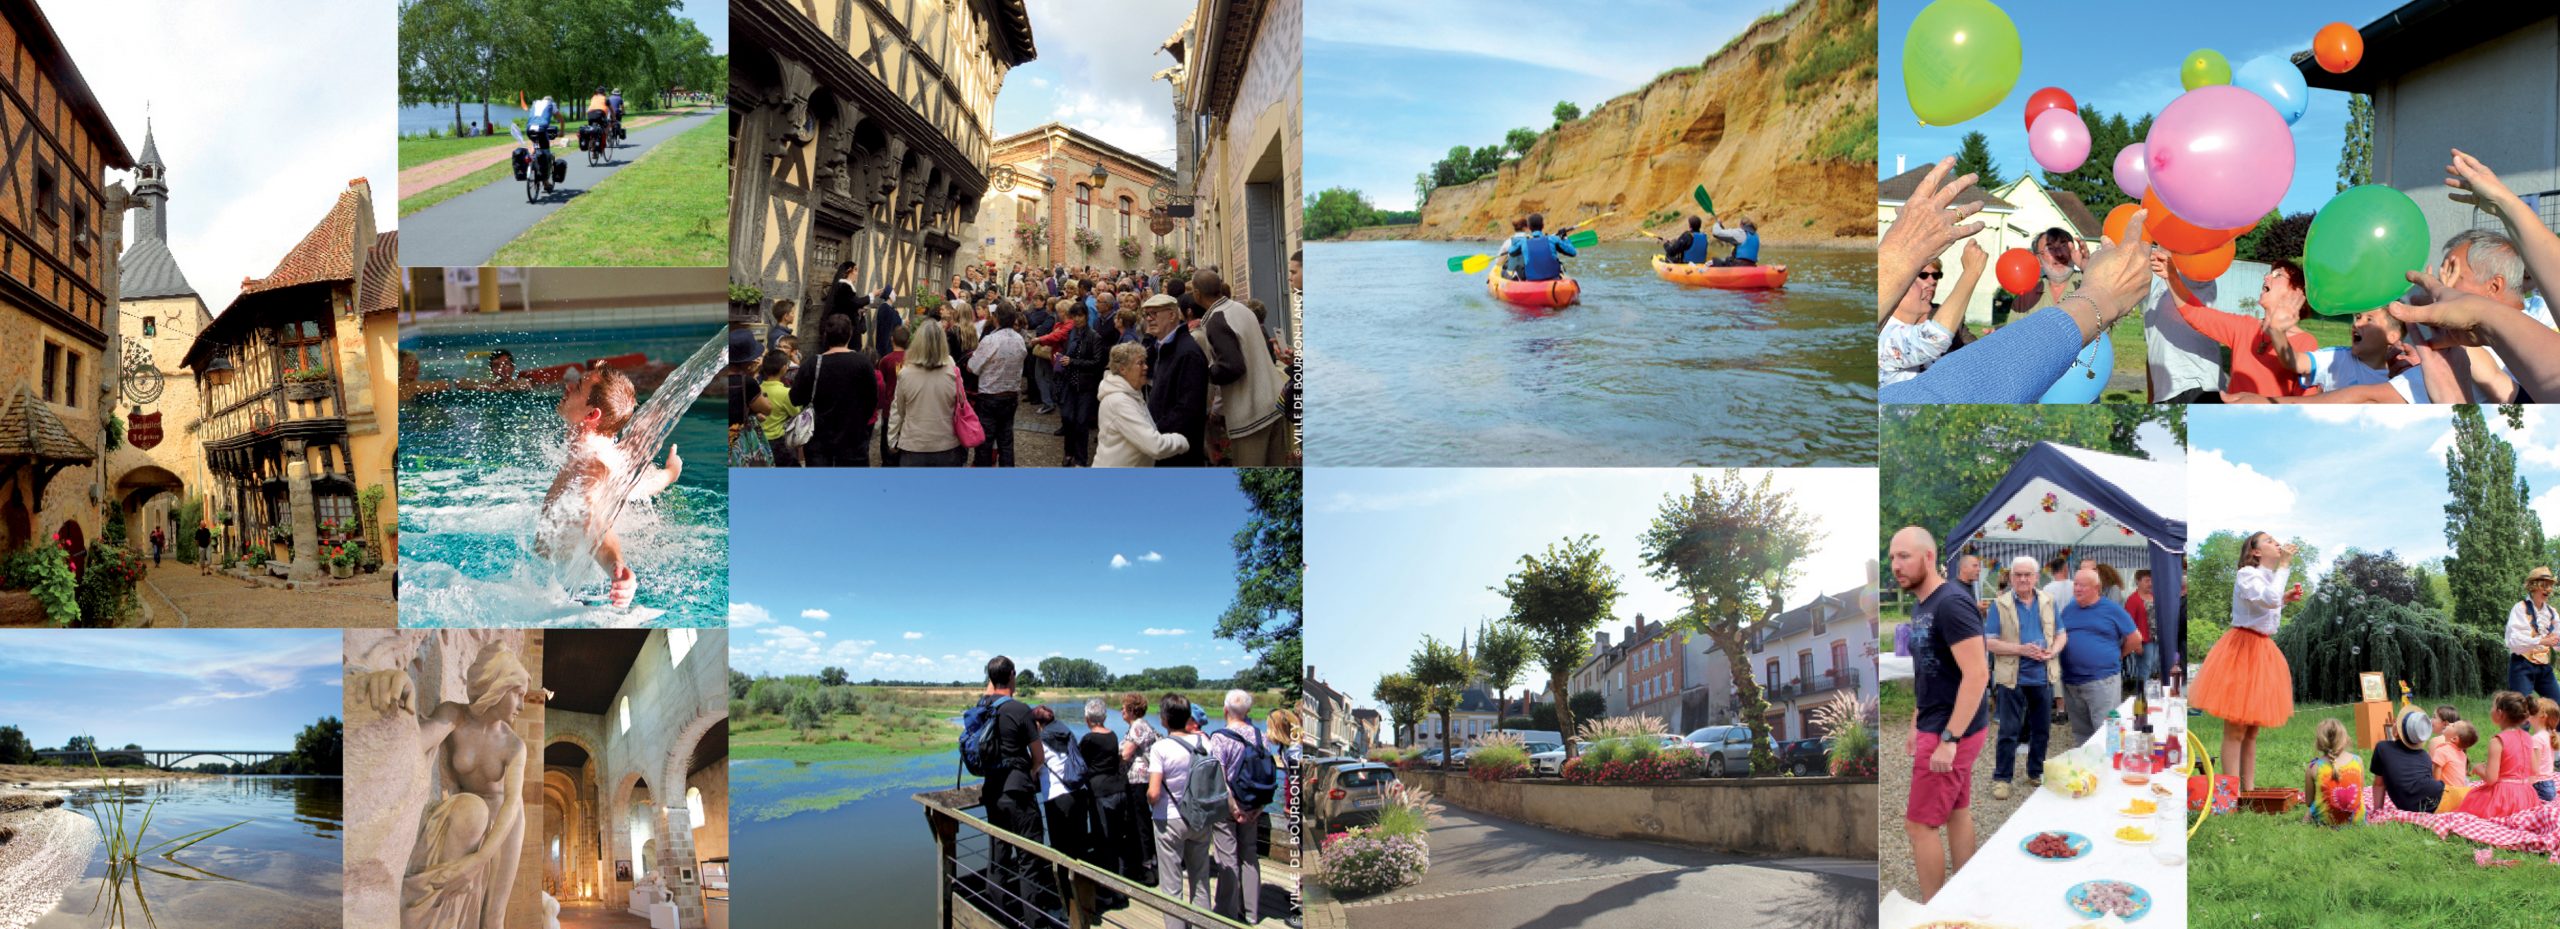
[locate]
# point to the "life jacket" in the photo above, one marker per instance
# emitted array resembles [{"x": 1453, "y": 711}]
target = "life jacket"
[
  {"x": 1750, "y": 247},
  {"x": 1697, "y": 253},
  {"x": 1538, "y": 258}
]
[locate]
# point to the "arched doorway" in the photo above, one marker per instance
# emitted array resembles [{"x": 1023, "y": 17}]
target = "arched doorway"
[
  {"x": 75, "y": 541},
  {"x": 149, "y": 497}
]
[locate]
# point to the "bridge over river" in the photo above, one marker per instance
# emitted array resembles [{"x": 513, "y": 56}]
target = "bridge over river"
[{"x": 166, "y": 759}]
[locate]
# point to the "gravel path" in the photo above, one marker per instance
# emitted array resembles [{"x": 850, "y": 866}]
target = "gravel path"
[
  {"x": 1893, "y": 792},
  {"x": 181, "y": 597}
]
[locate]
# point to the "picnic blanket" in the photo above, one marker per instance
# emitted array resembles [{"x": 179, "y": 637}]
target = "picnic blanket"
[{"x": 2534, "y": 829}]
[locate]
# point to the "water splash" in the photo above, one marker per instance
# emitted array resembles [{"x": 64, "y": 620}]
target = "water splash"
[{"x": 646, "y": 434}]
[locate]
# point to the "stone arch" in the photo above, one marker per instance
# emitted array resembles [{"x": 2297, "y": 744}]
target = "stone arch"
[
  {"x": 680, "y": 751},
  {"x": 574, "y": 738}
]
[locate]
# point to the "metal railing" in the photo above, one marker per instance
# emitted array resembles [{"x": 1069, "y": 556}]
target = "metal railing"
[{"x": 989, "y": 878}]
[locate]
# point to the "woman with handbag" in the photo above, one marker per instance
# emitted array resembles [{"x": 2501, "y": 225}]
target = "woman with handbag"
[
  {"x": 926, "y": 414},
  {"x": 837, "y": 393},
  {"x": 2244, "y": 681}
]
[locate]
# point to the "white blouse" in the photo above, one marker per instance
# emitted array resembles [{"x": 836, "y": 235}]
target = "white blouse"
[{"x": 2257, "y": 599}]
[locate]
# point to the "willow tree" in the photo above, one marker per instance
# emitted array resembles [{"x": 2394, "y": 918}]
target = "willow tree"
[
  {"x": 1443, "y": 670},
  {"x": 1557, "y": 600},
  {"x": 1732, "y": 546},
  {"x": 1403, "y": 697},
  {"x": 1502, "y": 652}
]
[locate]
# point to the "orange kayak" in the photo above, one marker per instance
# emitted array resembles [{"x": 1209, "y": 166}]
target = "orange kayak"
[
  {"x": 1562, "y": 291},
  {"x": 1743, "y": 277}
]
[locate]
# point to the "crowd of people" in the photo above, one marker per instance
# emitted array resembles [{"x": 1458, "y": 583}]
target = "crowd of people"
[
  {"x": 2054, "y": 634},
  {"x": 2469, "y": 329},
  {"x": 1177, "y": 803},
  {"x": 1142, "y": 368}
]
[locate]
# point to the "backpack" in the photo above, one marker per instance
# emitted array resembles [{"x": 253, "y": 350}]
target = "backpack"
[
  {"x": 1255, "y": 778},
  {"x": 1204, "y": 791},
  {"x": 978, "y": 738},
  {"x": 1076, "y": 776}
]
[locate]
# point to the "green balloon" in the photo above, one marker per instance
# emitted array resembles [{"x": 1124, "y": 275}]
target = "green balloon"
[
  {"x": 2361, "y": 247},
  {"x": 1959, "y": 59},
  {"x": 2204, "y": 67}
]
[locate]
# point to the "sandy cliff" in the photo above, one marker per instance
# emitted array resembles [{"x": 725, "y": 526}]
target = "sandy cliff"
[{"x": 1731, "y": 124}]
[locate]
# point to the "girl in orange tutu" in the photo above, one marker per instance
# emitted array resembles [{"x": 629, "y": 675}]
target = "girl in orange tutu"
[
  {"x": 2244, "y": 681},
  {"x": 2508, "y": 786}
]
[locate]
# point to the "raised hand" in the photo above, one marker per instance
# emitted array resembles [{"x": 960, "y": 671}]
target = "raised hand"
[
  {"x": 2475, "y": 184},
  {"x": 1930, "y": 221},
  {"x": 1974, "y": 257}
]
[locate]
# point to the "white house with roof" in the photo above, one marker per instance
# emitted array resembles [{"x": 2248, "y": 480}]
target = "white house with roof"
[{"x": 1997, "y": 235}]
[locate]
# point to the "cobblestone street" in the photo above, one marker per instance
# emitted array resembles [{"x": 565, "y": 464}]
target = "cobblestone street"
[{"x": 179, "y": 597}]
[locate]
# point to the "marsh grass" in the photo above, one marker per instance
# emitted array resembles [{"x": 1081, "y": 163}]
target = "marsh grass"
[{"x": 125, "y": 848}]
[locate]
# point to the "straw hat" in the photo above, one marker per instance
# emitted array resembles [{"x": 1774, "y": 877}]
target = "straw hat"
[
  {"x": 2414, "y": 728},
  {"x": 2539, "y": 574}
]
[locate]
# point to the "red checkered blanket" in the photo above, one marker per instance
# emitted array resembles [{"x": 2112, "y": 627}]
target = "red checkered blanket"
[{"x": 2536, "y": 829}]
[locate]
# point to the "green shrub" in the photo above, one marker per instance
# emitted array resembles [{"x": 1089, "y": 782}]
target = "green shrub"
[
  {"x": 1398, "y": 819},
  {"x": 1834, "y": 55},
  {"x": 44, "y": 570}
]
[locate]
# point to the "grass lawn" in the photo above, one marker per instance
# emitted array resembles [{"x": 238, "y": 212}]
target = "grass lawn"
[
  {"x": 456, "y": 187},
  {"x": 668, "y": 210},
  {"x": 2390, "y": 875}
]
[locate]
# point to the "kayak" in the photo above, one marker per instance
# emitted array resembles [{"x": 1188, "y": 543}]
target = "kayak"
[
  {"x": 1562, "y": 291},
  {"x": 1743, "y": 277}
]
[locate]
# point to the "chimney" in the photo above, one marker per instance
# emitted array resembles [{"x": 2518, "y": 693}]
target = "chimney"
[
  {"x": 1897, "y": 164},
  {"x": 1600, "y": 640}
]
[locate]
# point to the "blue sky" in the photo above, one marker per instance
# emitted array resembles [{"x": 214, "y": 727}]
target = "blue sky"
[
  {"x": 923, "y": 574},
  {"x": 1096, "y": 69},
  {"x": 2368, "y": 477},
  {"x": 1394, "y": 554},
  {"x": 169, "y": 688},
  {"x": 712, "y": 17},
  {"x": 1391, "y": 87},
  {"x": 2123, "y": 61}
]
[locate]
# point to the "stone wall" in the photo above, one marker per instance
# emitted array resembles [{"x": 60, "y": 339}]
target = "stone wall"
[
  {"x": 1827, "y": 816},
  {"x": 711, "y": 836}
]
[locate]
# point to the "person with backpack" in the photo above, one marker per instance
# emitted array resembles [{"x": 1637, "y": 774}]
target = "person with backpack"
[
  {"x": 1253, "y": 778},
  {"x": 1138, "y": 835},
  {"x": 1105, "y": 796},
  {"x": 1187, "y": 795},
  {"x": 1000, "y": 742},
  {"x": 1063, "y": 785}
]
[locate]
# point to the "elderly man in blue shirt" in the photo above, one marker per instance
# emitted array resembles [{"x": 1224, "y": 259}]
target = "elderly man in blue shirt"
[{"x": 2097, "y": 634}]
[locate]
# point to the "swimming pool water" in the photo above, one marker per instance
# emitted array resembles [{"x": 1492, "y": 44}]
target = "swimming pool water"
[{"x": 474, "y": 468}]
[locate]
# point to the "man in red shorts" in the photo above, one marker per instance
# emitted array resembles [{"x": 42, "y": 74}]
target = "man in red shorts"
[{"x": 1949, "y": 668}]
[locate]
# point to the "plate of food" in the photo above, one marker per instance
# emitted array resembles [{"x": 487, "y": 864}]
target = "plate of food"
[
  {"x": 2100, "y": 899},
  {"x": 2138, "y": 809},
  {"x": 2134, "y": 835},
  {"x": 2056, "y": 845}
]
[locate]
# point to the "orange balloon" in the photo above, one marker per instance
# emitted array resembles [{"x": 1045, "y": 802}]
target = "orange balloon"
[
  {"x": 2018, "y": 270},
  {"x": 2338, "y": 46},
  {"x": 2180, "y": 236},
  {"x": 2205, "y": 266},
  {"x": 2116, "y": 220}
]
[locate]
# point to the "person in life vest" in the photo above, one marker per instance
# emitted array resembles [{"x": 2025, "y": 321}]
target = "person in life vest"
[
  {"x": 1538, "y": 251},
  {"x": 1746, "y": 244},
  {"x": 1511, "y": 261},
  {"x": 1688, "y": 247}
]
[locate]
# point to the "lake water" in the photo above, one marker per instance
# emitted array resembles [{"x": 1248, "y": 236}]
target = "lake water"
[
  {"x": 417, "y": 118},
  {"x": 814, "y": 841},
  {"x": 1410, "y": 364},
  {"x": 280, "y": 871}
]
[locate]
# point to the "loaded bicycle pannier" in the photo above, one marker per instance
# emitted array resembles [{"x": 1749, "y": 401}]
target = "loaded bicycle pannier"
[
  {"x": 559, "y": 170},
  {"x": 521, "y": 158}
]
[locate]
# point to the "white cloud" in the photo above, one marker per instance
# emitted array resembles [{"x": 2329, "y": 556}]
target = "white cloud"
[
  {"x": 1154, "y": 631},
  {"x": 1115, "y": 650},
  {"x": 1038, "y": 81},
  {"x": 2231, "y": 495},
  {"x": 813, "y": 613},
  {"x": 1119, "y": 561},
  {"x": 1151, "y": 556},
  {"x": 742, "y": 615},
  {"x": 2377, "y": 415},
  {"x": 2547, "y": 505},
  {"x": 912, "y": 636}
]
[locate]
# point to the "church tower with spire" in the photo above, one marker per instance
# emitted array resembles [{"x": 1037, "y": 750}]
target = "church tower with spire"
[{"x": 158, "y": 317}]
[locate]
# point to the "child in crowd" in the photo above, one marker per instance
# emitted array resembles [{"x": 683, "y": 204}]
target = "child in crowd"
[
  {"x": 2505, "y": 787},
  {"x": 2546, "y": 741},
  {"x": 2446, "y": 716},
  {"x": 596, "y": 405},
  {"x": 2334, "y": 781},
  {"x": 2451, "y": 755}
]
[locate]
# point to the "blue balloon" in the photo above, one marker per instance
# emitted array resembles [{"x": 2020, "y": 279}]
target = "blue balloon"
[
  {"x": 2088, "y": 376},
  {"x": 2278, "y": 82}
]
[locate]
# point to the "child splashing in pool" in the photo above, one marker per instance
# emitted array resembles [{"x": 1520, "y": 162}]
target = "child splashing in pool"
[{"x": 577, "y": 510}]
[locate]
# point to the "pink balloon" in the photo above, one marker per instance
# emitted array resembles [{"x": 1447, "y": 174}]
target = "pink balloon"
[
  {"x": 2219, "y": 157},
  {"x": 2131, "y": 174},
  {"x": 2059, "y": 141}
]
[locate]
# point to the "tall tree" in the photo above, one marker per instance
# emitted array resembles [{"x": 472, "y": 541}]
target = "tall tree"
[
  {"x": 1558, "y": 599},
  {"x": 1974, "y": 157},
  {"x": 1732, "y": 547},
  {"x": 1566, "y": 112},
  {"x": 1337, "y": 210},
  {"x": 1502, "y": 652},
  {"x": 2355, "y": 156},
  {"x": 320, "y": 747},
  {"x": 2484, "y": 522},
  {"x": 831, "y": 676},
  {"x": 1403, "y": 698},
  {"x": 1518, "y": 141},
  {"x": 1268, "y": 609},
  {"x": 15, "y": 748},
  {"x": 1444, "y": 671}
]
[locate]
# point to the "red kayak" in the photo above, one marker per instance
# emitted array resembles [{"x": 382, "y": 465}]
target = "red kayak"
[
  {"x": 1562, "y": 291},
  {"x": 1740, "y": 277}
]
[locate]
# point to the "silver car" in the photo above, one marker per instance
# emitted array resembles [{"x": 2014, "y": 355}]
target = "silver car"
[
  {"x": 1723, "y": 749},
  {"x": 1546, "y": 759},
  {"x": 1350, "y": 795}
]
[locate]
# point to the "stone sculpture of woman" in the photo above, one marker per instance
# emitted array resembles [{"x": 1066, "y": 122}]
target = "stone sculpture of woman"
[{"x": 465, "y": 863}]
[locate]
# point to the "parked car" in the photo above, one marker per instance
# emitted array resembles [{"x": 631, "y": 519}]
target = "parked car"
[
  {"x": 1457, "y": 758},
  {"x": 1806, "y": 757},
  {"x": 1350, "y": 795},
  {"x": 1546, "y": 759},
  {"x": 1723, "y": 749}
]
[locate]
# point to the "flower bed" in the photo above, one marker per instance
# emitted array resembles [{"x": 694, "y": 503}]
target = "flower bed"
[
  {"x": 1359, "y": 863},
  {"x": 1667, "y": 766}
]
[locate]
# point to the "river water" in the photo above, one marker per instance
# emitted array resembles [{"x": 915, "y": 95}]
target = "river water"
[
  {"x": 814, "y": 841},
  {"x": 280, "y": 871},
  {"x": 1410, "y": 364}
]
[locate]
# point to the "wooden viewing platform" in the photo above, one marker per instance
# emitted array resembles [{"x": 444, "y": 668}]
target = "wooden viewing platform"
[{"x": 965, "y": 899}]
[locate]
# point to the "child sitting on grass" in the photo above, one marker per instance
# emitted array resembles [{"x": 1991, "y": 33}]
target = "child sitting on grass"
[
  {"x": 2446, "y": 716},
  {"x": 2505, "y": 777},
  {"x": 2334, "y": 781},
  {"x": 596, "y": 405},
  {"x": 2546, "y": 741},
  {"x": 2452, "y": 754}
]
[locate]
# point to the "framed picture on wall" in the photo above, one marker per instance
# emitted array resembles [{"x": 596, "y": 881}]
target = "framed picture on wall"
[
  {"x": 684, "y": 875},
  {"x": 622, "y": 870}
]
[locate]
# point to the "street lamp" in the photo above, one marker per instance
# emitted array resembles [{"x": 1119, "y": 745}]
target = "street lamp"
[
  {"x": 218, "y": 371},
  {"x": 1100, "y": 174}
]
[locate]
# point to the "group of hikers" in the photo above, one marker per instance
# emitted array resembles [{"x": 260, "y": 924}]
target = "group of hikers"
[
  {"x": 1534, "y": 254},
  {"x": 1141, "y": 369},
  {"x": 1178, "y": 803}
]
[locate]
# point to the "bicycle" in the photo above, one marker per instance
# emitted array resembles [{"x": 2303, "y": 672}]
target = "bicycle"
[{"x": 542, "y": 179}]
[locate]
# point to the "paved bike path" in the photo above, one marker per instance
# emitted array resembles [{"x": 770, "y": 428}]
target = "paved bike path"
[{"x": 468, "y": 230}]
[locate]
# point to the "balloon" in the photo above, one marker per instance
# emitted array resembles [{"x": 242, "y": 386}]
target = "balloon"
[
  {"x": 2361, "y": 246},
  {"x": 2018, "y": 270},
  {"x": 1959, "y": 59},
  {"x": 2178, "y": 235},
  {"x": 2275, "y": 80},
  {"x": 2117, "y": 218},
  {"x": 2050, "y": 98},
  {"x": 2087, "y": 379},
  {"x": 2204, "y": 67},
  {"x": 2132, "y": 176},
  {"x": 2338, "y": 47},
  {"x": 2205, "y": 266},
  {"x": 2219, "y": 157},
  {"x": 2059, "y": 141}
]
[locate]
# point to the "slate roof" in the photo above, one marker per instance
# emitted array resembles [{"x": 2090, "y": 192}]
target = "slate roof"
[
  {"x": 28, "y": 429},
  {"x": 2084, "y": 222},
  {"x": 148, "y": 270}
]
